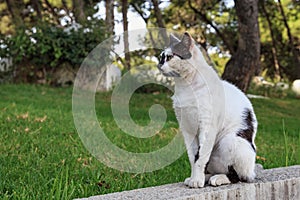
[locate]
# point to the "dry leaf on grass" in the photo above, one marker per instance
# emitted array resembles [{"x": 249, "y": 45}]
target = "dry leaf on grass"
[
  {"x": 261, "y": 158},
  {"x": 23, "y": 116},
  {"x": 40, "y": 119}
]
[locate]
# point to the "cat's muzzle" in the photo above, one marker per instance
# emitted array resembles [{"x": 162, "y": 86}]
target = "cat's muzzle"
[{"x": 168, "y": 74}]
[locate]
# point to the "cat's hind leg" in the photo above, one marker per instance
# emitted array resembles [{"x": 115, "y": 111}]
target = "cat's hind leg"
[
  {"x": 244, "y": 160},
  {"x": 217, "y": 172},
  {"x": 232, "y": 160}
]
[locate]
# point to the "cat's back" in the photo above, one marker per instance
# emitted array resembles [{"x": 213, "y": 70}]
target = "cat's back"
[{"x": 236, "y": 102}]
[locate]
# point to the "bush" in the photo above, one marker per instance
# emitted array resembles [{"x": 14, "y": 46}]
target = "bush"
[
  {"x": 270, "y": 91},
  {"x": 42, "y": 49}
]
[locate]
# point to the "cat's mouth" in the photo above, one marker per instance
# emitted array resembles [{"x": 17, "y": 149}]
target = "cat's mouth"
[
  {"x": 171, "y": 74},
  {"x": 168, "y": 74}
]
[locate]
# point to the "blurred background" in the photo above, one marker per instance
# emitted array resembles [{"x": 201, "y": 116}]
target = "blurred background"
[{"x": 45, "y": 41}]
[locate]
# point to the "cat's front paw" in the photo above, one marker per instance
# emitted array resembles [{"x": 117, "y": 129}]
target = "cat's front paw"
[
  {"x": 187, "y": 181},
  {"x": 193, "y": 183},
  {"x": 217, "y": 180}
]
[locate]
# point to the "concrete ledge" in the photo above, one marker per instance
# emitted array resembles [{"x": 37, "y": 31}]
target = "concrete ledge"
[{"x": 278, "y": 183}]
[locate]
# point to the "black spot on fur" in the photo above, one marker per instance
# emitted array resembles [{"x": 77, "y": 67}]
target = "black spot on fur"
[
  {"x": 162, "y": 60},
  {"x": 248, "y": 132},
  {"x": 232, "y": 175},
  {"x": 206, "y": 170},
  {"x": 197, "y": 155}
]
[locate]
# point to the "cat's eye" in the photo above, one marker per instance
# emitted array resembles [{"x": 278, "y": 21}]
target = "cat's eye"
[{"x": 169, "y": 57}]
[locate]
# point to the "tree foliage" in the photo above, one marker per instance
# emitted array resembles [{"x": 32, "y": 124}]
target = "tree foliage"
[
  {"x": 215, "y": 25},
  {"x": 32, "y": 31},
  {"x": 49, "y": 35},
  {"x": 280, "y": 39}
]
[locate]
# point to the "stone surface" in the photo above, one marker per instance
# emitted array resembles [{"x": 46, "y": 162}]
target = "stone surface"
[{"x": 278, "y": 183}]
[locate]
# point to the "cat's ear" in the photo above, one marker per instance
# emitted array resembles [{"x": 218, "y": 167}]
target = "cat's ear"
[
  {"x": 186, "y": 40},
  {"x": 173, "y": 40}
]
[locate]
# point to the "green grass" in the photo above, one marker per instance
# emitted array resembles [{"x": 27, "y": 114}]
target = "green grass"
[{"x": 42, "y": 156}]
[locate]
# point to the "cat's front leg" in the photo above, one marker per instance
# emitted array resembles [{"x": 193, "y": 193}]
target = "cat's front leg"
[
  {"x": 206, "y": 143},
  {"x": 197, "y": 178},
  {"x": 192, "y": 144},
  {"x": 190, "y": 132}
]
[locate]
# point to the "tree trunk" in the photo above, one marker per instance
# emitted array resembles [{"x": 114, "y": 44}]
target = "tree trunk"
[
  {"x": 202, "y": 15},
  {"x": 38, "y": 8},
  {"x": 78, "y": 8},
  {"x": 109, "y": 19},
  {"x": 244, "y": 63},
  {"x": 277, "y": 75},
  {"x": 125, "y": 28},
  {"x": 15, "y": 9},
  {"x": 146, "y": 20},
  {"x": 159, "y": 20},
  {"x": 296, "y": 56}
]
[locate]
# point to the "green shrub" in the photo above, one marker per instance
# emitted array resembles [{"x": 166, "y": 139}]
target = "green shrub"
[{"x": 45, "y": 47}]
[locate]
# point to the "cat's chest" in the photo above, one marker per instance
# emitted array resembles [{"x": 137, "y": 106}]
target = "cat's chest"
[
  {"x": 188, "y": 118},
  {"x": 190, "y": 96},
  {"x": 184, "y": 101}
]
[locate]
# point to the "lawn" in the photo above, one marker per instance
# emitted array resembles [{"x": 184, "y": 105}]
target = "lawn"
[{"x": 42, "y": 156}]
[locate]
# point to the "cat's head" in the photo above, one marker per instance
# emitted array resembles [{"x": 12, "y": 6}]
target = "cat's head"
[{"x": 174, "y": 60}]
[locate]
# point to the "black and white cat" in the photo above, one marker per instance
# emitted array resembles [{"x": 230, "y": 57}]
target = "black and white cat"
[{"x": 216, "y": 119}]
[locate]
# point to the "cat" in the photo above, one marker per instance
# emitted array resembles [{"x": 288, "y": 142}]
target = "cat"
[{"x": 216, "y": 119}]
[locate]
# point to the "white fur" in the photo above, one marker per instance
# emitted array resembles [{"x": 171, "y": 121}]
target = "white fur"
[
  {"x": 210, "y": 114},
  {"x": 219, "y": 179}
]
